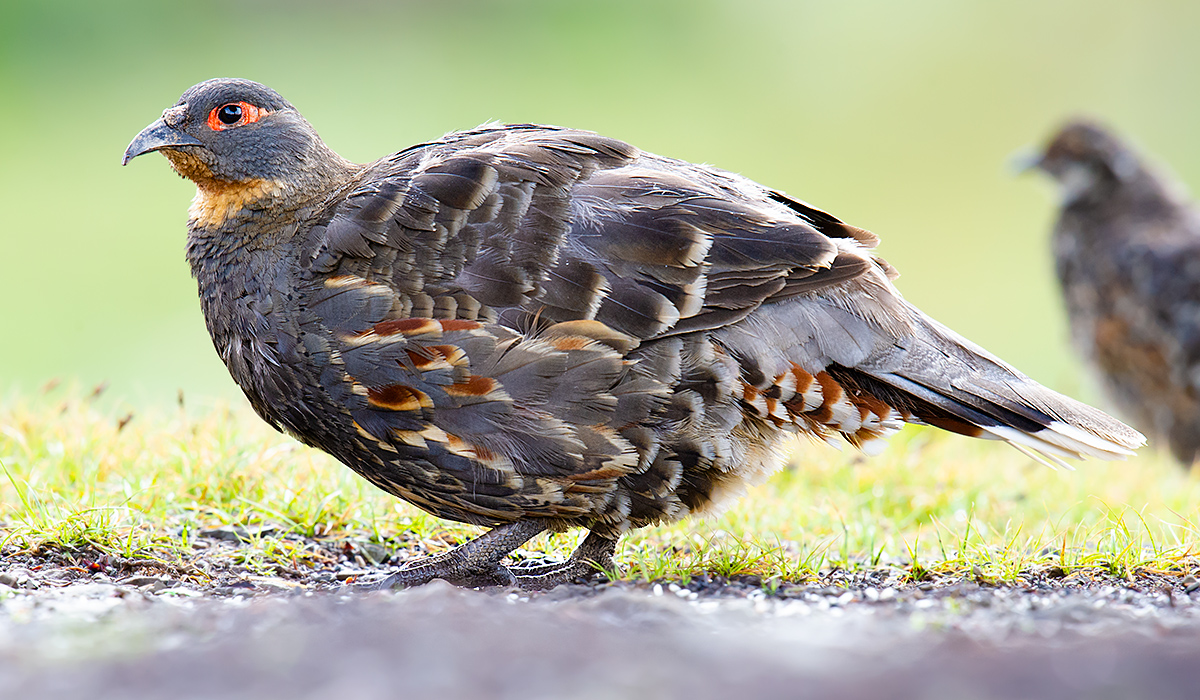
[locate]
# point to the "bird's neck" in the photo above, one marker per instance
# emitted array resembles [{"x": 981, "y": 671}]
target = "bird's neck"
[
  {"x": 241, "y": 235},
  {"x": 219, "y": 203}
]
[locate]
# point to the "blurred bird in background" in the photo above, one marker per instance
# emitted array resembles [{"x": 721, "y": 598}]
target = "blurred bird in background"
[{"x": 1127, "y": 252}]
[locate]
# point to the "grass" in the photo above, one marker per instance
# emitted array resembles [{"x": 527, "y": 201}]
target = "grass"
[{"x": 81, "y": 478}]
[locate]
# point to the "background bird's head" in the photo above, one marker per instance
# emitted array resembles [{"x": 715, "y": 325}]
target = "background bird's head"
[
  {"x": 228, "y": 130},
  {"x": 1087, "y": 160}
]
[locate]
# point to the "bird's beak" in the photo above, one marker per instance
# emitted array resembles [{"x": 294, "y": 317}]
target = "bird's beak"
[
  {"x": 1024, "y": 160},
  {"x": 156, "y": 137}
]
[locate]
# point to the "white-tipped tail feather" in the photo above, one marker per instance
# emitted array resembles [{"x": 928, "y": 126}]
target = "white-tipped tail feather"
[{"x": 989, "y": 398}]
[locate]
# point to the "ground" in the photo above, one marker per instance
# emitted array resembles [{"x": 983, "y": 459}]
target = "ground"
[
  {"x": 133, "y": 629},
  {"x": 197, "y": 554}
]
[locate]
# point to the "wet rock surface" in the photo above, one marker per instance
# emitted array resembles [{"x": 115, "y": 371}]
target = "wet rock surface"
[{"x": 116, "y": 629}]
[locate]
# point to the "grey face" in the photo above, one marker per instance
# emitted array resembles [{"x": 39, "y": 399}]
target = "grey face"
[{"x": 230, "y": 130}]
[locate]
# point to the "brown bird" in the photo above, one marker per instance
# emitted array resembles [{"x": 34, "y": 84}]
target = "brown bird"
[
  {"x": 1127, "y": 247},
  {"x": 534, "y": 328}
]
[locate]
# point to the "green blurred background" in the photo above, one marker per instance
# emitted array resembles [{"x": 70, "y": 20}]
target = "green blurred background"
[{"x": 896, "y": 116}]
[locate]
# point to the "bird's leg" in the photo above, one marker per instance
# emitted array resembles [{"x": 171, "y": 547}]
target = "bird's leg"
[
  {"x": 472, "y": 564},
  {"x": 595, "y": 552}
]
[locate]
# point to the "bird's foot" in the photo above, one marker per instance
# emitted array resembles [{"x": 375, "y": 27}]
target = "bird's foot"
[
  {"x": 547, "y": 577},
  {"x": 475, "y": 564},
  {"x": 593, "y": 555},
  {"x": 421, "y": 574}
]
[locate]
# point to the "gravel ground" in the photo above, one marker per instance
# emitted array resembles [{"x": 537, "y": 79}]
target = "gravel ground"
[{"x": 70, "y": 626}]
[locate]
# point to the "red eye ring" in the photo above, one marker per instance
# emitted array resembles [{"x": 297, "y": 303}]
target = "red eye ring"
[{"x": 241, "y": 113}]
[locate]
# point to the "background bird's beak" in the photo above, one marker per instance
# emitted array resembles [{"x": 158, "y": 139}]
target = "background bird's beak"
[
  {"x": 1024, "y": 160},
  {"x": 155, "y": 137}
]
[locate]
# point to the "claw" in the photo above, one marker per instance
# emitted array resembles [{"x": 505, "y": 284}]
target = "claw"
[
  {"x": 475, "y": 564},
  {"x": 593, "y": 555},
  {"x": 421, "y": 574}
]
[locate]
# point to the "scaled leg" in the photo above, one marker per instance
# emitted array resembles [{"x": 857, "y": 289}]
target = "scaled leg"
[{"x": 473, "y": 564}]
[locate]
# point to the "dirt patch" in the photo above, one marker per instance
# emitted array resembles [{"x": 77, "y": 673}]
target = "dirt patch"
[
  {"x": 74, "y": 624},
  {"x": 961, "y": 641},
  {"x": 230, "y": 562}
]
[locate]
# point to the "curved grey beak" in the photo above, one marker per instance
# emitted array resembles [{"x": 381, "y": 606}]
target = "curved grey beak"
[{"x": 155, "y": 137}]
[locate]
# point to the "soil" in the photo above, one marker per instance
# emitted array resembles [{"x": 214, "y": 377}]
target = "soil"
[{"x": 102, "y": 627}]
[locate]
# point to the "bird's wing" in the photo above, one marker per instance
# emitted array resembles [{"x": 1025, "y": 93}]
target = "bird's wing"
[
  {"x": 567, "y": 225},
  {"x": 675, "y": 248},
  {"x": 484, "y": 294}
]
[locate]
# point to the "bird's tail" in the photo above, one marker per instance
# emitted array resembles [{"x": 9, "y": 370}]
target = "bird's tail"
[{"x": 946, "y": 380}]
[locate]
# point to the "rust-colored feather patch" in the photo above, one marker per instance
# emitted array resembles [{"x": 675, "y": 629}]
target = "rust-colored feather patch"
[
  {"x": 427, "y": 357},
  {"x": 408, "y": 327},
  {"x": 869, "y": 405},
  {"x": 570, "y": 342},
  {"x": 954, "y": 425},
  {"x": 458, "y": 324},
  {"x": 398, "y": 397},
  {"x": 217, "y": 200},
  {"x": 475, "y": 385},
  {"x": 461, "y": 447},
  {"x": 600, "y": 473},
  {"x": 430, "y": 357},
  {"x": 592, "y": 330}
]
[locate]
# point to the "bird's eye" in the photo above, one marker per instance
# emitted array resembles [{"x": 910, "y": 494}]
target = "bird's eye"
[
  {"x": 234, "y": 114},
  {"x": 230, "y": 114}
]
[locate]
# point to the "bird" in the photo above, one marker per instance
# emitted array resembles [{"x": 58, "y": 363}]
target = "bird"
[
  {"x": 535, "y": 329},
  {"x": 1127, "y": 256}
]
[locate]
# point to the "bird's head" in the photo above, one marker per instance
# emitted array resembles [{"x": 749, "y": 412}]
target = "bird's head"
[
  {"x": 237, "y": 139},
  {"x": 1086, "y": 158}
]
